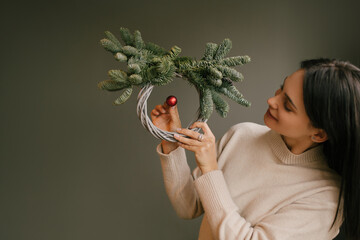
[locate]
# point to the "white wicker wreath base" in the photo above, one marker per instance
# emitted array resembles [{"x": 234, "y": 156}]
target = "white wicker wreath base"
[{"x": 142, "y": 98}]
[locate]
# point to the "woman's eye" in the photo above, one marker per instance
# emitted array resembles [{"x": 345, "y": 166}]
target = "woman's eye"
[
  {"x": 286, "y": 107},
  {"x": 285, "y": 102}
]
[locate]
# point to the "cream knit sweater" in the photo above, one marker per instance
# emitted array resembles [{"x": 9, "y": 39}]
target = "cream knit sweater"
[{"x": 262, "y": 190}]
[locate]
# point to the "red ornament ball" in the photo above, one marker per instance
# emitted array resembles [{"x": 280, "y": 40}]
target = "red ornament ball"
[{"x": 171, "y": 101}]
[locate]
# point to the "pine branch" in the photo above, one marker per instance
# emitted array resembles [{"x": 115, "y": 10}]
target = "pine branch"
[
  {"x": 134, "y": 68},
  {"x": 175, "y": 51},
  {"x": 120, "y": 57},
  {"x": 126, "y": 36},
  {"x": 223, "y": 49},
  {"x": 221, "y": 106},
  {"x": 110, "y": 46},
  {"x": 135, "y": 79},
  {"x": 124, "y": 96},
  {"x": 130, "y": 51},
  {"x": 138, "y": 42},
  {"x": 235, "y": 61},
  {"x": 231, "y": 73},
  {"x": 149, "y": 63},
  {"x": 155, "y": 49},
  {"x": 206, "y": 103},
  {"x": 210, "y": 51},
  {"x": 216, "y": 82},
  {"x": 215, "y": 73},
  {"x": 118, "y": 75},
  {"x": 237, "y": 97},
  {"x": 112, "y": 85},
  {"x": 113, "y": 39}
]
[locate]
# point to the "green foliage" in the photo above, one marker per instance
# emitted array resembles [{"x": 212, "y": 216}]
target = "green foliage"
[
  {"x": 110, "y": 46},
  {"x": 113, "y": 39},
  {"x": 126, "y": 36},
  {"x": 175, "y": 51},
  {"x": 138, "y": 42},
  {"x": 223, "y": 49},
  {"x": 231, "y": 73},
  {"x": 135, "y": 79},
  {"x": 118, "y": 75},
  {"x": 206, "y": 103},
  {"x": 124, "y": 96},
  {"x": 210, "y": 51},
  {"x": 111, "y": 85},
  {"x": 120, "y": 57},
  {"x": 155, "y": 49},
  {"x": 221, "y": 106},
  {"x": 149, "y": 63},
  {"x": 234, "y": 61}
]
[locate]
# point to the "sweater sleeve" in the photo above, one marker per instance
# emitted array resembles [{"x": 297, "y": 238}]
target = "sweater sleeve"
[
  {"x": 308, "y": 218},
  {"x": 179, "y": 183}
]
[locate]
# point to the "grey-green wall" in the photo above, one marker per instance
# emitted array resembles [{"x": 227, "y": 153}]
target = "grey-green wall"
[{"x": 73, "y": 165}]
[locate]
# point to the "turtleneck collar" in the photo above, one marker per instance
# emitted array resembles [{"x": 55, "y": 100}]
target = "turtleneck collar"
[{"x": 280, "y": 149}]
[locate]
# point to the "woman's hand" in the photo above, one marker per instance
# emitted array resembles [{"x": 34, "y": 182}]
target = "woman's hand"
[
  {"x": 204, "y": 148},
  {"x": 166, "y": 118}
]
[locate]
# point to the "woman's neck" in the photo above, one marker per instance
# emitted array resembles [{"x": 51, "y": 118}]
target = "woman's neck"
[{"x": 298, "y": 146}]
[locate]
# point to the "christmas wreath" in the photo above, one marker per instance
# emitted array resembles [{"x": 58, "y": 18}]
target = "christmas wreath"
[{"x": 150, "y": 65}]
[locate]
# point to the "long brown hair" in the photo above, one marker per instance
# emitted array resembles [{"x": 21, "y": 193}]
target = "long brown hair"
[{"x": 332, "y": 101}]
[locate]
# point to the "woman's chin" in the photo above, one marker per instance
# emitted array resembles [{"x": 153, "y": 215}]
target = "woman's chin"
[{"x": 269, "y": 122}]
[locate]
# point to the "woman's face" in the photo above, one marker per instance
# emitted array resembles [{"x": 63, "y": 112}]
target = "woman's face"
[{"x": 286, "y": 114}]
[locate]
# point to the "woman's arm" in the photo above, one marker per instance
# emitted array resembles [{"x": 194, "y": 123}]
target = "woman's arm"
[{"x": 179, "y": 183}]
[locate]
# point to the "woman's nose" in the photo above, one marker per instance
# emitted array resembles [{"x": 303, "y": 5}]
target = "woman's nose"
[{"x": 273, "y": 102}]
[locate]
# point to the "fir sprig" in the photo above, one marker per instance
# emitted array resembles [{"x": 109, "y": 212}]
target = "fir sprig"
[{"x": 149, "y": 63}]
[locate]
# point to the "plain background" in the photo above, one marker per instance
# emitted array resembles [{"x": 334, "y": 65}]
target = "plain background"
[{"x": 72, "y": 165}]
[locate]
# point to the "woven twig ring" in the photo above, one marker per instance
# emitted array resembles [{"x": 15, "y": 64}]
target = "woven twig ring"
[{"x": 141, "y": 108}]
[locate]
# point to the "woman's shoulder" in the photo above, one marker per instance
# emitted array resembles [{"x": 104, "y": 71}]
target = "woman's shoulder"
[
  {"x": 245, "y": 130},
  {"x": 249, "y": 128}
]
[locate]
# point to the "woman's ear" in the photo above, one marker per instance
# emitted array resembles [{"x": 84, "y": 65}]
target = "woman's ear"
[{"x": 319, "y": 136}]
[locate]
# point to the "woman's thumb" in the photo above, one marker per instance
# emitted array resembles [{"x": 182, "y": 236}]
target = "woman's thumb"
[{"x": 173, "y": 111}]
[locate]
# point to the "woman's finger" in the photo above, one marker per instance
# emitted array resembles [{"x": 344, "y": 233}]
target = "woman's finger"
[
  {"x": 187, "y": 141},
  {"x": 154, "y": 112},
  {"x": 172, "y": 110},
  {"x": 160, "y": 108},
  {"x": 188, "y": 132},
  {"x": 203, "y": 126},
  {"x": 187, "y": 147}
]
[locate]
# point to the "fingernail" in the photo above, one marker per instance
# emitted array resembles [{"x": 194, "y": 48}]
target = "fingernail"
[
  {"x": 176, "y": 135},
  {"x": 178, "y": 129}
]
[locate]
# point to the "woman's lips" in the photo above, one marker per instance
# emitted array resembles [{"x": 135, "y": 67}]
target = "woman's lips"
[{"x": 269, "y": 114}]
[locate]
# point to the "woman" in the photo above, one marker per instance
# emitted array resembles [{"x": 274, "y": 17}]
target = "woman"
[{"x": 295, "y": 178}]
